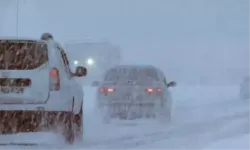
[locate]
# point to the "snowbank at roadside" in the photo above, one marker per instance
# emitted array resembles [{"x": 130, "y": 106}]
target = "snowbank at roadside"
[{"x": 239, "y": 142}]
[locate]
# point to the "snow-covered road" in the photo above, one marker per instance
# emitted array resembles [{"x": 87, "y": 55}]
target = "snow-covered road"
[{"x": 201, "y": 115}]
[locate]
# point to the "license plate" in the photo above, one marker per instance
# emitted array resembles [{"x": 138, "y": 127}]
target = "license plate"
[{"x": 6, "y": 89}]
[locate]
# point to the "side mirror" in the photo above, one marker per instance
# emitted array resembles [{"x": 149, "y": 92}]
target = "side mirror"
[
  {"x": 95, "y": 83},
  {"x": 80, "y": 71},
  {"x": 171, "y": 84}
]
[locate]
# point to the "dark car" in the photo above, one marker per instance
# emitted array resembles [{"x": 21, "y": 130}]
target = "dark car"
[{"x": 129, "y": 92}]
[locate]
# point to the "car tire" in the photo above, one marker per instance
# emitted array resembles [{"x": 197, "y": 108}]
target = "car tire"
[
  {"x": 68, "y": 130},
  {"x": 78, "y": 125},
  {"x": 73, "y": 128},
  {"x": 165, "y": 113}
]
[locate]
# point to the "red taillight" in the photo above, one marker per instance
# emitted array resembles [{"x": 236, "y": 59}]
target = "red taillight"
[
  {"x": 110, "y": 90},
  {"x": 54, "y": 80},
  {"x": 102, "y": 90},
  {"x": 152, "y": 90},
  {"x": 159, "y": 90},
  {"x": 106, "y": 90},
  {"x": 53, "y": 73}
]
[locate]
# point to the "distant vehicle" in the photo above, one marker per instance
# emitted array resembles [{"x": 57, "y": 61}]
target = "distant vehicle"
[
  {"x": 133, "y": 91},
  {"x": 96, "y": 56},
  {"x": 244, "y": 88},
  {"x": 37, "y": 88}
]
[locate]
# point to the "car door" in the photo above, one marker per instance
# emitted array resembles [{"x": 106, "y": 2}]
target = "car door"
[
  {"x": 64, "y": 72},
  {"x": 166, "y": 93},
  {"x": 74, "y": 88}
]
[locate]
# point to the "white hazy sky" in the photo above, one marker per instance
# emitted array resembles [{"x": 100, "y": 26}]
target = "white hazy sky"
[{"x": 191, "y": 40}]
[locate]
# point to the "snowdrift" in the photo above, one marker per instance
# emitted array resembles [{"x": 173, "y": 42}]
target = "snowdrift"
[{"x": 239, "y": 142}]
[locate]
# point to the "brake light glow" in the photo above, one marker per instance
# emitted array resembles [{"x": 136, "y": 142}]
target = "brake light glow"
[
  {"x": 110, "y": 90},
  {"x": 152, "y": 90},
  {"x": 159, "y": 90},
  {"x": 106, "y": 90},
  {"x": 54, "y": 80},
  {"x": 102, "y": 90},
  {"x": 53, "y": 73}
]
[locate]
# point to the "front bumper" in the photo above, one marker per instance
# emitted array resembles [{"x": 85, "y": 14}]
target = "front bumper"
[{"x": 12, "y": 122}]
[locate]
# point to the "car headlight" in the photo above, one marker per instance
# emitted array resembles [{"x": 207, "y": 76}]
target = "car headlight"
[
  {"x": 90, "y": 61},
  {"x": 76, "y": 62}
]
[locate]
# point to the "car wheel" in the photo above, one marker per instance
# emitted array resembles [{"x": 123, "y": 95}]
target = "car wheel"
[
  {"x": 78, "y": 125},
  {"x": 165, "y": 114},
  {"x": 68, "y": 130}
]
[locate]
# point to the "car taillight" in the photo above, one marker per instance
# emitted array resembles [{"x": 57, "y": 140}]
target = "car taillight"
[
  {"x": 106, "y": 90},
  {"x": 54, "y": 80},
  {"x": 152, "y": 90},
  {"x": 159, "y": 90},
  {"x": 110, "y": 90}
]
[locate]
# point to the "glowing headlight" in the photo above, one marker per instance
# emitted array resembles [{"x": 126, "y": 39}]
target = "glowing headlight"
[
  {"x": 90, "y": 61},
  {"x": 76, "y": 62}
]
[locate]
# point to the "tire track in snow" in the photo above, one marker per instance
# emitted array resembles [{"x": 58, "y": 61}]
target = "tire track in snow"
[
  {"x": 184, "y": 131},
  {"x": 125, "y": 138}
]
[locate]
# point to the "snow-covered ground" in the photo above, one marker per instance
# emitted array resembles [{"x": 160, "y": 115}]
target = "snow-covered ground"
[
  {"x": 202, "y": 117},
  {"x": 237, "y": 142}
]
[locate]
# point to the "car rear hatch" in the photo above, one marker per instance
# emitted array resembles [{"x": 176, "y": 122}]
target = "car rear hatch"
[
  {"x": 24, "y": 75},
  {"x": 118, "y": 91},
  {"x": 129, "y": 83},
  {"x": 131, "y": 90}
]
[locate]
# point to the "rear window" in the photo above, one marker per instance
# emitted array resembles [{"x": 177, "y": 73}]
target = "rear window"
[
  {"x": 133, "y": 74},
  {"x": 22, "y": 54}
]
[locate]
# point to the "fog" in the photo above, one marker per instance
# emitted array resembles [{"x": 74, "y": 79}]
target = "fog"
[{"x": 192, "y": 41}]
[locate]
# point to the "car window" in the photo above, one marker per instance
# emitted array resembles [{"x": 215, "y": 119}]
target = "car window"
[
  {"x": 115, "y": 74},
  {"x": 65, "y": 60},
  {"x": 134, "y": 74},
  {"x": 148, "y": 74},
  {"x": 22, "y": 54}
]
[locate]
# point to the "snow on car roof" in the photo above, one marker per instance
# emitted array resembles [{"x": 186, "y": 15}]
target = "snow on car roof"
[{"x": 21, "y": 38}]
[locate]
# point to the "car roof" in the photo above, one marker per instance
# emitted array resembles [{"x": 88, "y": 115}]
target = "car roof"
[{"x": 22, "y": 38}]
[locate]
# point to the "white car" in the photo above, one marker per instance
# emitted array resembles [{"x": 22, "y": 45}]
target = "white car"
[{"x": 38, "y": 91}]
